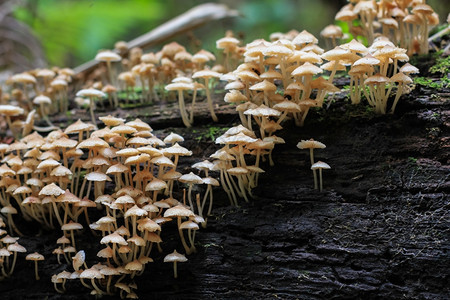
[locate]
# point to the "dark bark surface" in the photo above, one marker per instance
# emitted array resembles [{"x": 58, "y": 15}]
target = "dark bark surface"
[{"x": 378, "y": 230}]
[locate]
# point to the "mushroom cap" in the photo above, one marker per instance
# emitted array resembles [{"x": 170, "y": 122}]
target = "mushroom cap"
[
  {"x": 206, "y": 164},
  {"x": 113, "y": 238},
  {"x": 287, "y": 106},
  {"x": 148, "y": 225},
  {"x": 189, "y": 225},
  {"x": 8, "y": 210},
  {"x": 175, "y": 257},
  {"x": 92, "y": 142},
  {"x": 10, "y": 110},
  {"x": 16, "y": 247},
  {"x": 331, "y": 31},
  {"x": 409, "y": 69},
  {"x": 206, "y": 74},
  {"x": 71, "y": 226},
  {"x": 227, "y": 42},
  {"x": 78, "y": 126},
  {"x": 90, "y": 93},
  {"x": 306, "y": 69},
  {"x": 134, "y": 265},
  {"x": 179, "y": 86},
  {"x": 262, "y": 111},
  {"x": 173, "y": 138},
  {"x": 401, "y": 77},
  {"x": 51, "y": 190},
  {"x": 42, "y": 99},
  {"x": 236, "y": 171},
  {"x": 264, "y": 86},
  {"x": 308, "y": 144},
  {"x": 376, "y": 79},
  {"x": 190, "y": 178},
  {"x": 136, "y": 212},
  {"x": 91, "y": 273},
  {"x": 156, "y": 185},
  {"x": 355, "y": 46},
  {"x": 34, "y": 256},
  {"x": 123, "y": 129},
  {"x": 111, "y": 120},
  {"x": 23, "y": 78},
  {"x": 108, "y": 56},
  {"x": 176, "y": 150},
  {"x": 137, "y": 240},
  {"x": 320, "y": 165},
  {"x": 178, "y": 211},
  {"x": 305, "y": 37}
]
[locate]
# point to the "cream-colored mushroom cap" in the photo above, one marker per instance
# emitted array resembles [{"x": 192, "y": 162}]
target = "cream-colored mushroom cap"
[
  {"x": 190, "y": 178},
  {"x": 51, "y": 190},
  {"x": 206, "y": 74},
  {"x": 111, "y": 120},
  {"x": 308, "y": 144},
  {"x": 71, "y": 226},
  {"x": 16, "y": 247},
  {"x": 135, "y": 211},
  {"x": 178, "y": 211},
  {"x": 306, "y": 69},
  {"x": 156, "y": 185},
  {"x": 176, "y": 150},
  {"x": 11, "y": 110},
  {"x": 175, "y": 257},
  {"x": 91, "y": 273},
  {"x": 401, "y": 77},
  {"x": 320, "y": 165},
  {"x": 90, "y": 93},
  {"x": 113, "y": 238},
  {"x": 179, "y": 86},
  {"x": 23, "y": 78},
  {"x": 173, "y": 138},
  {"x": 108, "y": 56},
  {"x": 42, "y": 99}
]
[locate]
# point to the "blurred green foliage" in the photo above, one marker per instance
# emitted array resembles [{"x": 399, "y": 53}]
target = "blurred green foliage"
[{"x": 73, "y": 31}]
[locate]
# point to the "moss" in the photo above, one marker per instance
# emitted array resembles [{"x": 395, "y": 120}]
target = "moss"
[
  {"x": 430, "y": 83},
  {"x": 442, "y": 66},
  {"x": 210, "y": 134}
]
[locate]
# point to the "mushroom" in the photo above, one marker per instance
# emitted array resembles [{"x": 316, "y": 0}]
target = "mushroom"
[
  {"x": 108, "y": 57},
  {"x": 35, "y": 257},
  {"x": 180, "y": 87},
  {"x": 320, "y": 165},
  {"x": 180, "y": 211},
  {"x": 207, "y": 75},
  {"x": 311, "y": 145},
  {"x": 8, "y": 111},
  {"x": 175, "y": 257},
  {"x": 91, "y": 94},
  {"x": 190, "y": 179}
]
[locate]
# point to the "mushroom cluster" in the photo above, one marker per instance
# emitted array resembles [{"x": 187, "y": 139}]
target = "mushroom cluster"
[
  {"x": 405, "y": 22},
  {"x": 123, "y": 169},
  {"x": 375, "y": 71},
  {"x": 278, "y": 79}
]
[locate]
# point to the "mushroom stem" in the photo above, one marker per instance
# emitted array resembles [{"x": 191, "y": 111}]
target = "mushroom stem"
[
  {"x": 184, "y": 116},
  {"x": 194, "y": 98},
  {"x": 175, "y": 273},
  {"x": 36, "y": 270},
  {"x": 183, "y": 241},
  {"x": 311, "y": 155},
  {"x": 210, "y": 103},
  {"x": 320, "y": 178},
  {"x": 91, "y": 110},
  {"x": 397, "y": 97}
]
